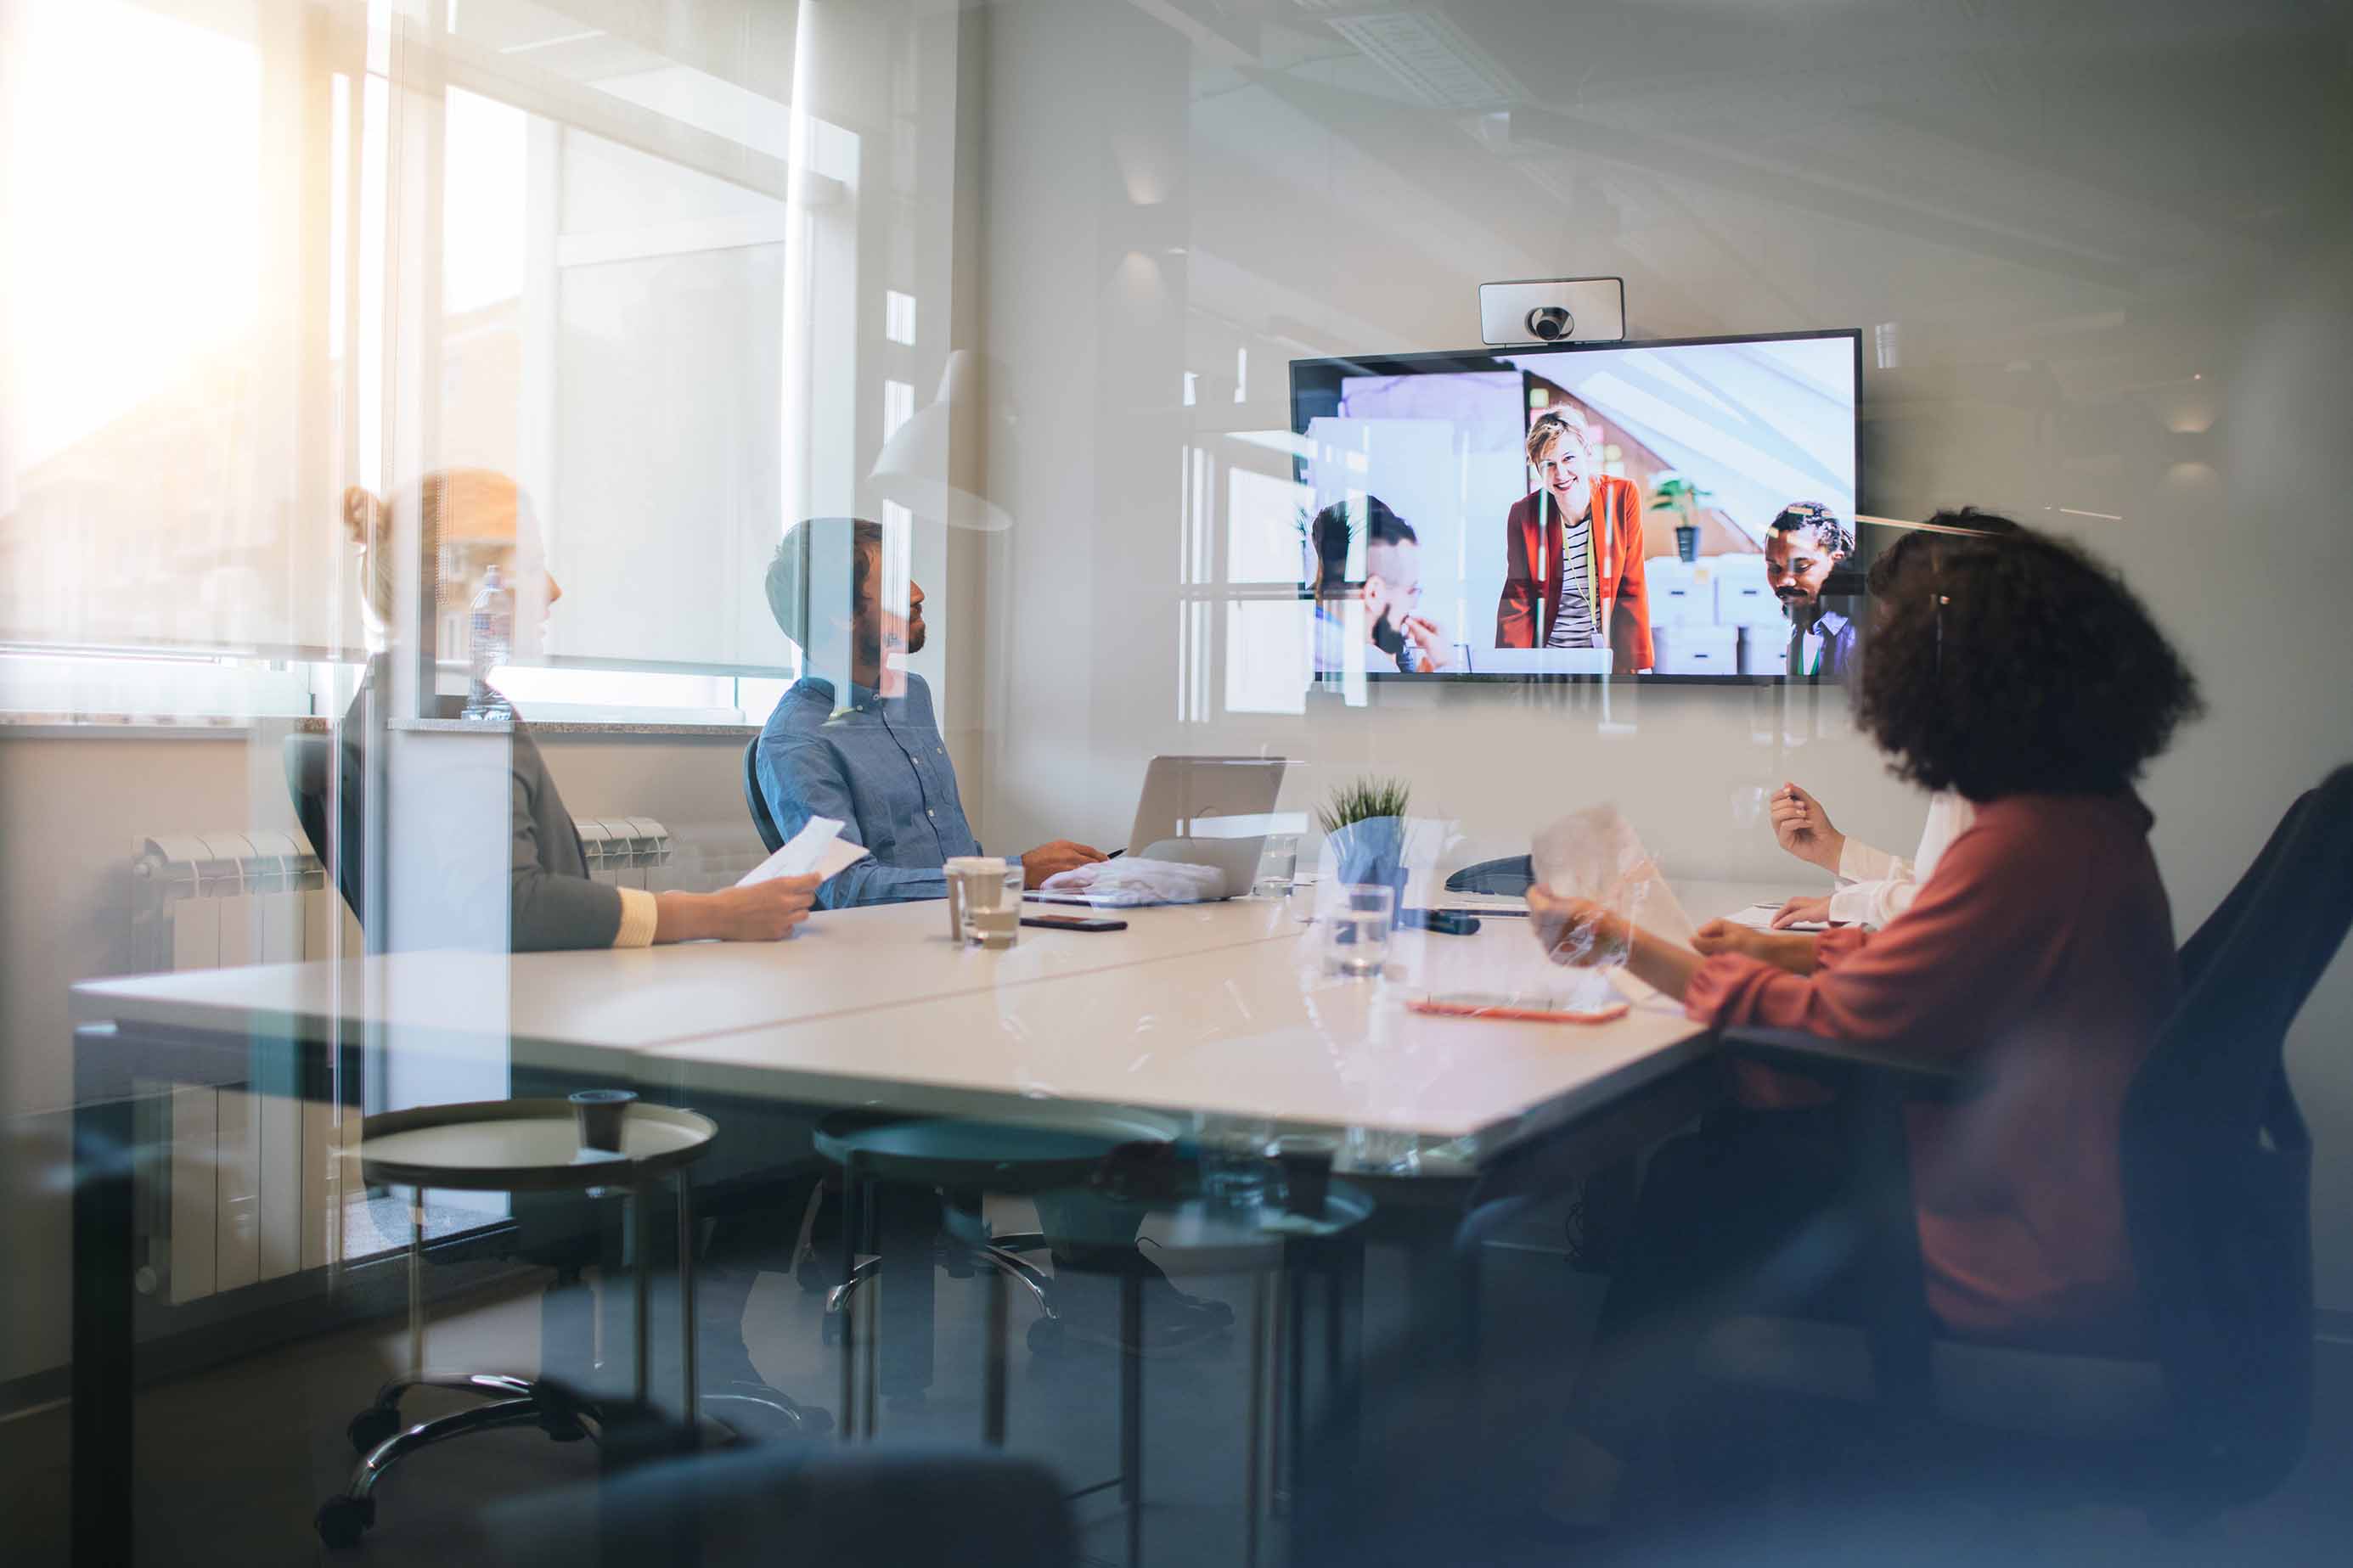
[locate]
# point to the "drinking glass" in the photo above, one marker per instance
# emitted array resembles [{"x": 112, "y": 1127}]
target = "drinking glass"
[
  {"x": 1278, "y": 867},
  {"x": 1357, "y": 935},
  {"x": 984, "y": 900},
  {"x": 1384, "y": 1151},
  {"x": 1233, "y": 1158}
]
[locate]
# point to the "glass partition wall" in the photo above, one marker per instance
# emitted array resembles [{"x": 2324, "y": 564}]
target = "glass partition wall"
[{"x": 478, "y": 476}]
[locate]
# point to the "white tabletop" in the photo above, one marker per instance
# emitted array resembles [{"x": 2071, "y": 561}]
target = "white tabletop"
[
  {"x": 1256, "y": 1032},
  {"x": 841, "y": 961},
  {"x": 1210, "y": 1008}
]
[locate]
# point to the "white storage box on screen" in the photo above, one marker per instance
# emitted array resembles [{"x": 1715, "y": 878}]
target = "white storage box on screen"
[
  {"x": 1696, "y": 650},
  {"x": 1680, "y": 592},
  {"x": 1765, "y": 650},
  {"x": 1743, "y": 597}
]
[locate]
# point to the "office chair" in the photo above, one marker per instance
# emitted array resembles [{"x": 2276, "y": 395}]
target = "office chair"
[
  {"x": 854, "y": 1508},
  {"x": 757, "y": 799},
  {"x": 2217, "y": 1183}
]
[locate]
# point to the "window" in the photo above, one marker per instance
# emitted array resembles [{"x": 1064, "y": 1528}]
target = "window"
[{"x": 644, "y": 307}]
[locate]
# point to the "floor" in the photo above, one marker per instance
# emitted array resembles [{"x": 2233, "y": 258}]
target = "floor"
[{"x": 232, "y": 1462}]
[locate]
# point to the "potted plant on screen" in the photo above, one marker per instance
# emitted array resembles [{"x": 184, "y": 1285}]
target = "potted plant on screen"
[
  {"x": 1676, "y": 494},
  {"x": 1363, "y": 823}
]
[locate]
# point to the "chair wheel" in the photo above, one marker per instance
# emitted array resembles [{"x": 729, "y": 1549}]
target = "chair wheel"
[
  {"x": 342, "y": 1520},
  {"x": 1045, "y": 1336},
  {"x": 371, "y": 1426}
]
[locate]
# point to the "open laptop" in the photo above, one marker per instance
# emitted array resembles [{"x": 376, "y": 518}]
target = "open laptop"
[{"x": 1200, "y": 811}]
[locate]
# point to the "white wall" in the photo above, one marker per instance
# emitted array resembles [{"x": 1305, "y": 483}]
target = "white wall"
[{"x": 2118, "y": 295}]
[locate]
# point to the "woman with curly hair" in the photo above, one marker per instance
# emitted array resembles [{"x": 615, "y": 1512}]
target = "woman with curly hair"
[{"x": 2017, "y": 671}]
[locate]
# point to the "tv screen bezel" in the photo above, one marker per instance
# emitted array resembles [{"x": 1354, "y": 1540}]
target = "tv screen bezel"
[{"x": 1488, "y": 359}]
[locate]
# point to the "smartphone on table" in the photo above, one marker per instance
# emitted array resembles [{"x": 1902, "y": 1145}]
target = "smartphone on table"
[{"x": 1073, "y": 922}]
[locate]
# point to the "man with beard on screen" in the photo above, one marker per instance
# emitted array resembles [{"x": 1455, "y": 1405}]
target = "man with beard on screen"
[
  {"x": 1573, "y": 576},
  {"x": 1375, "y": 623},
  {"x": 1802, "y": 546}
]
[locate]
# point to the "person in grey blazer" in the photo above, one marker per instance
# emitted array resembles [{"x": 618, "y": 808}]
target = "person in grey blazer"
[
  {"x": 438, "y": 875},
  {"x": 479, "y": 518}
]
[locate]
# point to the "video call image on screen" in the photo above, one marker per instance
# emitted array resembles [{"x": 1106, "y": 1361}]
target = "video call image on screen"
[{"x": 1673, "y": 508}]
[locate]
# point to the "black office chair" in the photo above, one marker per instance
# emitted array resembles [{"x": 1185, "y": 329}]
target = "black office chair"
[
  {"x": 757, "y": 799},
  {"x": 862, "y": 1508},
  {"x": 1511, "y": 877},
  {"x": 2217, "y": 1184}
]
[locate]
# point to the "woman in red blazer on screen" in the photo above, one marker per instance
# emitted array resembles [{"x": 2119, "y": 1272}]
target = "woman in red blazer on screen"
[{"x": 1573, "y": 573}]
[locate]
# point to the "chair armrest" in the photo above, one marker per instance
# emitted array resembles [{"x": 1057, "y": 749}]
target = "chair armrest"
[{"x": 1845, "y": 1061}]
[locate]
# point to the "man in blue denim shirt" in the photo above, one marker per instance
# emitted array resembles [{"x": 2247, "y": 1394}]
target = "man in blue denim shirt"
[{"x": 873, "y": 758}]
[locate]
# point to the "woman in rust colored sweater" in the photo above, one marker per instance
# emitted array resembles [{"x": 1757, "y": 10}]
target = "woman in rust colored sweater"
[{"x": 2016, "y": 671}]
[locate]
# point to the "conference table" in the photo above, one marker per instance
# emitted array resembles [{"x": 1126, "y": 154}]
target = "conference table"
[{"x": 1208, "y": 1011}]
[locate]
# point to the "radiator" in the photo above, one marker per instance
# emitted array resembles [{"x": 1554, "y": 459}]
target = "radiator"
[{"x": 252, "y": 1189}]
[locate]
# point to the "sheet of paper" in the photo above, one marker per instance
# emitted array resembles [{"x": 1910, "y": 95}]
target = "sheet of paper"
[
  {"x": 816, "y": 848},
  {"x": 1759, "y": 916}
]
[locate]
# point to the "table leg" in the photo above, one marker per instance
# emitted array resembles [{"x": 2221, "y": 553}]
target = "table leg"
[
  {"x": 993, "y": 1375},
  {"x": 642, "y": 1330},
  {"x": 686, "y": 1324},
  {"x": 1278, "y": 1310},
  {"x": 416, "y": 1283},
  {"x": 852, "y": 1218},
  {"x": 1131, "y": 1410},
  {"x": 1254, "y": 1440},
  {"x": 102, "y": 1342}
]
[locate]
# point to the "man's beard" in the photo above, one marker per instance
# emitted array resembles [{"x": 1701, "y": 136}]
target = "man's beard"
[
  {"x": 1386, "y": 638},
  {"x": 1799, "y": 605}
]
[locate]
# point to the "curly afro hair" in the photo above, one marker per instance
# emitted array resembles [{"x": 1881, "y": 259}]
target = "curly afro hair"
[{"x": 2004, "y": 661}]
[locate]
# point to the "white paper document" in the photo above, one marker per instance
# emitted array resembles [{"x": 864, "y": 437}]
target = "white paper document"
[
  {"x": 1759, "y": 916},
  {"x": 817, "y": 848}
]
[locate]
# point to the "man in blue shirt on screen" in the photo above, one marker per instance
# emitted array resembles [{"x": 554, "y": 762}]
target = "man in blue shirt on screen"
[{"x": 855, "y": 738}]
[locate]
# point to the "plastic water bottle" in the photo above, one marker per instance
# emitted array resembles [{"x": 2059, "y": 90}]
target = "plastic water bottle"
[{"x": 490, "y": 643}]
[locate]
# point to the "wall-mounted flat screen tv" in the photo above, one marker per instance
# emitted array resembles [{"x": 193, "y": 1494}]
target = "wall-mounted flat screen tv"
[{"x": 1678, "y": 509}]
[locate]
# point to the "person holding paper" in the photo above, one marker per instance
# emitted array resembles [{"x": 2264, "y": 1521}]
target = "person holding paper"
[
  {"x": 468, "y": 520},
  {"x": 2022, "y": 676},
  {"x": 855, "y": 738},
  {"x": 478, "y": 519}
]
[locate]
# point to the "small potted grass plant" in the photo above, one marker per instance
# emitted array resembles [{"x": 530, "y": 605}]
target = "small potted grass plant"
[{"x": 1364, "y": 822}]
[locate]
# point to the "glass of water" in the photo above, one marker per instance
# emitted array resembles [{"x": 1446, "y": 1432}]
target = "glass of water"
[
  {"x": 1278, "y": 866},
  {"x": 1234, "y": 1162},
  {"x": 984, "y": 900},
  {"x": 1357, "y": 935}
]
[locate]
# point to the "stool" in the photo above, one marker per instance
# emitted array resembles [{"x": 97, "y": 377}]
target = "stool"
[
  {"x": 963, "y": 1160},
  {"x": 1268, "y": 1243},
  {"x": 511, "y": 1146}
]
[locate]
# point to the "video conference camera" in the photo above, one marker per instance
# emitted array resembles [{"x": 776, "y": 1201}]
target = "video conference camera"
[{"x": 1552, "y": 310}]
